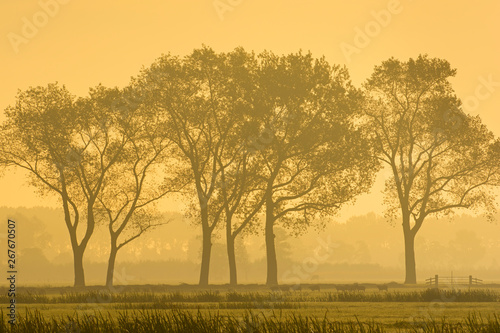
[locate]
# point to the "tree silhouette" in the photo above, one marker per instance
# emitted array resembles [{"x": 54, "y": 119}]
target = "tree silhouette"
[
  {"x": 68, "y": 147},
  {"x": 286, "y": 139},
  {"x": 195, "y": 97},
  {"x": 441, "y": 159},
  {"x": 241, "y": 197},
  {"x": 240, "y": 190},
  {"x": 313, "y": 156},
  {"x": 133, "y": 184}
]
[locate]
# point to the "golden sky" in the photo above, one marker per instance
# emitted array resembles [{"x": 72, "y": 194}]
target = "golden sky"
[{"x": 84, "y": 43}]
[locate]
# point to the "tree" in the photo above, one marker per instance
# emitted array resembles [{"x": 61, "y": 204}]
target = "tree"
[
  {"x": 441, "y": 158},
  {"x": 67, "y": 150},
  {"x": 311, "y": 151},
  {"x": 193, "y": 97},
  {"x": 132, "y": 185},
  {"x": 36, "y": 137},
  {"x": 242, "y": 197},
  {"x": 239, "y": 189}
]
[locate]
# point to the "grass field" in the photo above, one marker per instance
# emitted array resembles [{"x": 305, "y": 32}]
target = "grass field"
[{"x": 254, "y": 309}]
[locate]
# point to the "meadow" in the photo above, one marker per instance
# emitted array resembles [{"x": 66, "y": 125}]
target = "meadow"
[{"x": 254, "y": 308}]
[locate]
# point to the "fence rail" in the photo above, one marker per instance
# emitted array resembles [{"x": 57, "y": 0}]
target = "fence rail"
[{"x": 453, "y": 280}]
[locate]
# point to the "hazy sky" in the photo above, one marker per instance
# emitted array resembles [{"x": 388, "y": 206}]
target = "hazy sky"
[{"x": 84, "y": 43}]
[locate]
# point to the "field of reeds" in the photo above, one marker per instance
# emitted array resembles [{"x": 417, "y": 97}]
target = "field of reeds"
[
  {"x": 224, "y": 309},
  {"x": 181, "y": 321}
]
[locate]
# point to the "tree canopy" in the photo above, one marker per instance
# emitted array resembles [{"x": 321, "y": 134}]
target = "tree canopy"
[{"x": 441, "y": 158}]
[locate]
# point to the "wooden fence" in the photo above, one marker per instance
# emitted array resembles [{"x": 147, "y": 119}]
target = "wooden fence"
[{"x": 453, "y": 281}]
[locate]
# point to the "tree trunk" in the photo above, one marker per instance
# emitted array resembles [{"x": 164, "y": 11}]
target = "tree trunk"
[
  {"x": 207, "y": 245},
  {"x": 411, "y": 273},
  {"x": 231, "y": 257},
  {"x": 205, "y": 257},
  {"x": 272, "y": 264},
  {"x": 78, "y": 266},
  {"x": 111, "y": 266},
  {"x": 79, "y": 275}
]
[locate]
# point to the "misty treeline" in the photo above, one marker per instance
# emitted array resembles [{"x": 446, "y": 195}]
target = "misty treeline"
[
  {"x": 246, "y": 138},
  {"x": 364, "y": 248}
]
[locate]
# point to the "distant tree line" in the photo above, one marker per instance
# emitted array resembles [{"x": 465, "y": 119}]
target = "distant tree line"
[{"x": 246, "y": 138}]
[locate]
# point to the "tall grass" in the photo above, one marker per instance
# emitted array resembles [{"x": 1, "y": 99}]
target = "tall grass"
[
  {"x": 427, "y": 295},
  {"x": 179, "y": 321},
  {"x": 250, "y": 322},
  {"x": 95, "y": 296}
]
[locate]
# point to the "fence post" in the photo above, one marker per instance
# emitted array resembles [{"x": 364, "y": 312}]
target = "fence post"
[
  {"x": 470, "y": 281},
  {"x": 437, "y": 281}
]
